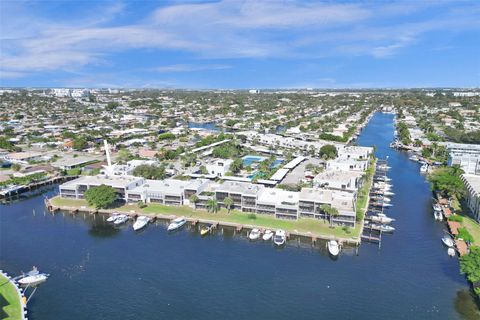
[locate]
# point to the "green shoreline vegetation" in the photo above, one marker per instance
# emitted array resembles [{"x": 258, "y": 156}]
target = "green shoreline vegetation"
[
  {"x": 11, "y": 304},
  {"x": 309, "y": 226}
]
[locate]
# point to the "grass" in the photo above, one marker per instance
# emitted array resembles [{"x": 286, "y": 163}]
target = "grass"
[
  {"x": 362, "y": 197},
  {"x": 11, "y": 305},
  {"x": 473, "y": 228},
  {"x": 303, "y": 225}
]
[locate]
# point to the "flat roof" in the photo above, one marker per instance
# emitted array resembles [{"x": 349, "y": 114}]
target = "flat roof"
[
  {"x": 473, "y": 182},
  {"x": 114, "y": 181},
  {"x": 245, "y": 188},
  {"x": 295, "y": 162},
  {"x": 279, "y": 175},
  {"x": 71, "y": 161}
]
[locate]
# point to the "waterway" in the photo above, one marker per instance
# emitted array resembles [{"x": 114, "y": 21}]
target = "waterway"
[{"x": 99, "y": 272}]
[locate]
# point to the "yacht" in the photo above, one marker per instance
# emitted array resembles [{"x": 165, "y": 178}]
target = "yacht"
[
  {"x": 113, "y": 217},
  {"x": 120, "y": 219},
  {"x": 333, "y": 247},
  {"x": 448, "y": 241},
  {"x": 451, "y": 252},
  {"x": 413, "y": 158},
  {"x": 437, "y": 207},
  {"x": 176, "y": 224},
  {"x": 382, "y": 227},
  {"x": 141, "y": 223},
  {"x": 254, "y": 234},
  {"x": 280, "y": 238},
  {"x": 33, "y": 278},
  {"x": 267, "y": 235},
  {"x": 438, "y": 215}
]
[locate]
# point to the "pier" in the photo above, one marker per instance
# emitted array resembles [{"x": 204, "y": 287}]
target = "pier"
[{"x": 16, "y": 307}]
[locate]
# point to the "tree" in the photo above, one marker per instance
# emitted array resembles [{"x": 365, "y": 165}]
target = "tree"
[
  {"x": 470, "y": 266},
  {"x": 228, "y": 202},
  {"x": 79, "y": 143},
  {"x": 331, "y": 211},
  {"x": 212, "y": 206},
  {"x": 124, "y": 155},
  {"x": 16, "y": 167},
  {"x": 236, "y": 165},
  {"x": 447, "y": 181},
  {"x": 328, "y": 151},
  {"x": 101, "y": 197},
  {"x": 148, "y": 171},
  {"x": 193, "y": 199}
]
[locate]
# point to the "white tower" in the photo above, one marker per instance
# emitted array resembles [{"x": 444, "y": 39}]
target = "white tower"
[{"x": 109, "y": 168}]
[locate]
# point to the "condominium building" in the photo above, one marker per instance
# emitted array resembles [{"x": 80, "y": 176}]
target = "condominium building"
[
  {"x": 472, "y": 184},
  {"x": 466, "y": 156}
]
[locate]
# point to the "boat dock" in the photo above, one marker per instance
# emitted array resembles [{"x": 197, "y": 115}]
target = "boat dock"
[{"x": 14, "y": 192}]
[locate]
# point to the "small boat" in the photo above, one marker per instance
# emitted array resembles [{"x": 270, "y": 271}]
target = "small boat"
[
  {"x": 121, "y": 218},
  {"x": 424, "y": 168},
  {"x": 413, "y": 158},
  {"x": 448, "y": 241},
  {"x": 280, "y": 238},
  {"x": 333, "y": 247},
  {"x": 176, "y": 224},
  {"x": 141, "y": 223},
  {"x": 267, "y": 235},
  {"x": 451, "y": 252},
  {"x": 381, "y": 227},
  {"x": 34, "y": 279},
  {"x": 254, "y": 234},
  {"x": 382, "y": 218},
  {"x": 113, "y": 217},
  {"x": 438, "y": 215},
  {"x": 388, "y": 193},
  {"x": 437, "y": 207},
  {"x": 206, "y": 229},
  {"x": 383, "y": 167}
]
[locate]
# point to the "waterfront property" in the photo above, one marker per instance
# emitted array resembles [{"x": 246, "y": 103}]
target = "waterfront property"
[
  {"x": 466, "y": 156},
  {"x": 246, "y": 196}
]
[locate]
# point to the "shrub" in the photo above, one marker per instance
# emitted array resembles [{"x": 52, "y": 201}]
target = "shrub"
[{"x": 456, "y": 218}]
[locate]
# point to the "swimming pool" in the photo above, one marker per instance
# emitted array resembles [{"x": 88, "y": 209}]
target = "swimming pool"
[{"x": 248, "y": 160}]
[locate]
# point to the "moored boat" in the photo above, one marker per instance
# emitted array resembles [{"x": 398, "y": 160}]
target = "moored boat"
[
  {"x": 424, "y": 168},
  {"x": 382, "y": 218},
  {"x": 141, "y": 223},
  {"x": 32, "y": 280},
  {"x": 176, "y": 224},
  {"x": 280, "y": 238},
  {"x": 267, "y": 235},
  {"x": 120, "y": 219},
  {"x": 206, "y": 229},
  {"x": 448, "y": 241},
  {"x": 333, "y": 247},
  {"x": 254, "y": 234},
  {"x": 113, "y": 217}
]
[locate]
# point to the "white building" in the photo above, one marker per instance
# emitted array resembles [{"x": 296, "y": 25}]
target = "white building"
[
  {"x": 466, "y": 156},
  {"x": 219, "y": 167},
  {"x": 472, "y": 183}
]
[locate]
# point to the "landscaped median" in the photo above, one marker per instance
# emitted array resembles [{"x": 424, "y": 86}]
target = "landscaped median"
[
  {"x": 306, "y": 226},
  {"x": 10, "y": 308}
]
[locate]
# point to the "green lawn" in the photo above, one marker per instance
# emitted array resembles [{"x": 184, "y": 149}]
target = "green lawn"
[
  {"x": 363, "y": 193},
  {"x": 303, "y": 225},
  {"x": 11, "y": 308},
  {"x": 473, "y": 228}
]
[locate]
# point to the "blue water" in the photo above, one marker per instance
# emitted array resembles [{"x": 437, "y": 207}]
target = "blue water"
[
  {"x": 249, "y": 160},
  {"x": 204, "y": 125},
  {"x": 99, "y": 272}
]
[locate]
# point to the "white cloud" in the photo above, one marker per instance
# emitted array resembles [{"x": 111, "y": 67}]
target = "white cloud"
[
  {"x": 225, "y": 29},
  {"x": 189, "y": 68}
]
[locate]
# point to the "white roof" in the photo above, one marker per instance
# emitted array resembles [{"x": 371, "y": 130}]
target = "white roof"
[
  {"x": 295, "y": 162},
  {"x": 279, "y": 175}
]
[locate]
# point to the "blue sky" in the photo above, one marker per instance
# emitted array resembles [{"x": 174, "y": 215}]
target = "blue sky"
[{"x": 240, "y": 44}]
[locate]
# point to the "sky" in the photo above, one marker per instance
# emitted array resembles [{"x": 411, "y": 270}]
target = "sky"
[{"x": 240, "y": 44}]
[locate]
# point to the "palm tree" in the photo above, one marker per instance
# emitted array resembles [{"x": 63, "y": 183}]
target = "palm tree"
[
  {"x": 193, "y": 199},
  {"x": 228, "y": 202},
  {"x": 332, "y": 212},
  {"x": 212, "y": 205}
]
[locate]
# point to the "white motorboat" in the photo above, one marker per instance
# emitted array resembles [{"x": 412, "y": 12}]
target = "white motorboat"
[
  {"x": 413, "y": 158},
  {"x": 267, "y": 235},
  {"x": 388, "y": 193},
  {"x": 438, "y": 215},
  {"x": 382, "y": 218},
  {"x": 424, "y": 168},
  {"x": 113, "y": 217},
  {"x": 437, "y": 207},
  {"x": 254, "y": 234},
  {"x": 141, "y": 223},
  {"x": 176, "y": 224},
  {"x": 280, "y": 238},
  {"x": 333, "y": 247},
  {"x": 32, "y": 280},
  {"x": 382, "y": 227},
  {"x": 121, "y": 219},
  {"x": 448, "y": 241},
  {"x": 383, "y": 167},
  {"x": 451, "y": 252}
]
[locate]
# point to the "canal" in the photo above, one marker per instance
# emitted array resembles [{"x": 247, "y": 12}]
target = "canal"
[{"x": 100, "y": 272}]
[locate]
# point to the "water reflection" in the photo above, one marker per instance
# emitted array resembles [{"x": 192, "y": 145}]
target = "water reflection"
[{"x": 467, "y": 305}]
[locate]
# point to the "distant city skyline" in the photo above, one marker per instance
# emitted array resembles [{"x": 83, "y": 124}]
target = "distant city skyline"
[{"x": 240, "y": 44}]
